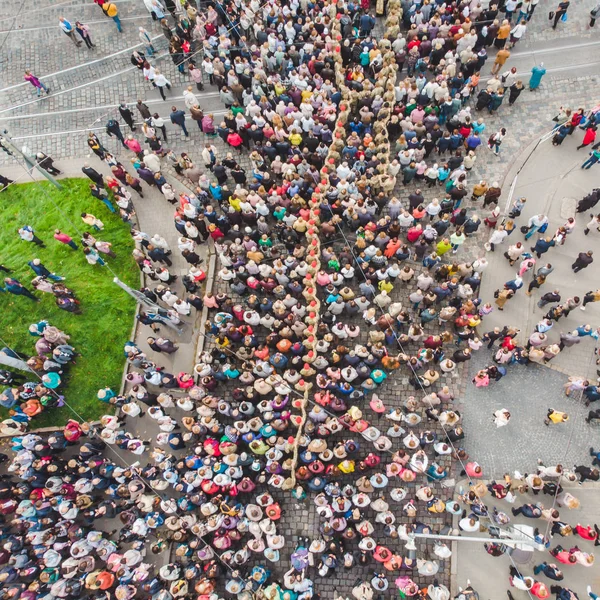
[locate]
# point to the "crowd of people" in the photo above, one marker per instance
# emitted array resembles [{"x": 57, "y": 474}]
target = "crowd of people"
[
  {"x": 28, "y": 395},
  {"x": 305, "y": 324}
]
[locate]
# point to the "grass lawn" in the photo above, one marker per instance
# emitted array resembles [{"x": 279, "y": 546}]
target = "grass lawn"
[{"x": 105, "y": 325}]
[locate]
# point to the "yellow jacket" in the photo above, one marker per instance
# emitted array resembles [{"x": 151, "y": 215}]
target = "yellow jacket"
[{"x": 110, "y": 9}]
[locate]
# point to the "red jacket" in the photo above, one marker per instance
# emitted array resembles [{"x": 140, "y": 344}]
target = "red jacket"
[
  {"x": 589, "y": 137},
  {"x": 234, "y": 139}
]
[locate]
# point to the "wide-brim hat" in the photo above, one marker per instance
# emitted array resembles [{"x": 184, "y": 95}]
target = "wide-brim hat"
[
  {"x": 377, "y": 405},
  {"x": 234, "y": 586},
  {"x": 231, "y": 460},
  {"x": 326, "y": 456},
  {"x": 254, "y": 512},
  {"x": 317, "y": 446},
  {"x": 222, "y": 479},
  {"x": 383, "y": 443},
  {"x": 320, "y": 500},
  {"x": 340, "y": 452},
  {"x": 271, "y": 554},
  {"x": 264, "y": 500},
  {"x": 361, "y": 500},
  {"x": 371, "y": 433},
  {"x": 380, "y": 505},
  {"x": 257, "y": 545},
  {"x": 412, "y": 418},
  {"x": 398, "y": 494},
  {"x": 367, "y": 543},
  {"x": 317, "y": 546}
]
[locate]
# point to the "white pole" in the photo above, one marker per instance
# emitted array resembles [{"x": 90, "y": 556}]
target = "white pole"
[
  {"x": 510, "y": 194},
  {"x": 459, "y": 538}
]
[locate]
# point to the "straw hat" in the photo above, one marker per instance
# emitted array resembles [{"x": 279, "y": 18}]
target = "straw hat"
[
  {"x": 361, "y": 500},
  {"x": 254, "y": 512}
]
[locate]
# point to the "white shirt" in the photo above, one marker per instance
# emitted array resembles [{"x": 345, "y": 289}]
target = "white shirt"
[{"x": 160, "y": 80}]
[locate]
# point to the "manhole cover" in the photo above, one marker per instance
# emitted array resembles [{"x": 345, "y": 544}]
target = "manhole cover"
[{"x": 567, "y": 207}]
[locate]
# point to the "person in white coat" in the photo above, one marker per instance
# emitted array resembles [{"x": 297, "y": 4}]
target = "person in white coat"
[
  {"x": 501, "y": 417},
  {"x": 190, "y": 98}
]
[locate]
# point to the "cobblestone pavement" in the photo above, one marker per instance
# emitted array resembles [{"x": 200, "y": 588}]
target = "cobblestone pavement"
[
  {"x": 302, "y": 520},
  {"x": 517, "y": 446}
]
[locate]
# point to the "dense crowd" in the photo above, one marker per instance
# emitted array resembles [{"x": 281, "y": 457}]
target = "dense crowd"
[{"x": 306, "y": 324}]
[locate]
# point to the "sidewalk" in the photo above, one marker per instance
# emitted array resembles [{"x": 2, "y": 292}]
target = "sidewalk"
[
  {"x": 553, "y": 183},
  {"x": 155, "y": 215},
  {"x": 489, "y": 575}
]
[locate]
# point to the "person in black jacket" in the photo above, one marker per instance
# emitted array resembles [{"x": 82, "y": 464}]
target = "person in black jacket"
[
  {"x": 47, "y": 163},
  {"x": 583, "y": 260},
  {"x": 159, "y": 255},
  {"x": 113, "y": 128},
  {"x": 127, "y": 116},
  {"x": 220, "y": 173},
  {"x": 96, "y": 177},
  {"x": 191, "y": 257}
]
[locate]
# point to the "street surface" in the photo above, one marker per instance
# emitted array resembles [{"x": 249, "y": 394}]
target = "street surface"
[{"x": 489, "y": 575}]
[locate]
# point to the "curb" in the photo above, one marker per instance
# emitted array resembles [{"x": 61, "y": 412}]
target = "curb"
[{"x": 210, "y": 280}]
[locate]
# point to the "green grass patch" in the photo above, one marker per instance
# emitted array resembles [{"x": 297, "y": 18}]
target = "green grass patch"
[{"x": 105, "y": 325}]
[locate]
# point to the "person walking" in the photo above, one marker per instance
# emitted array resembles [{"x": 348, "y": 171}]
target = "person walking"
[
  {"x": 514, "y": 92},
  {"x": 589, "y": 137},
  {"x": 561, "y": 12},
  {"x": 14, "y": 286},
  {"x": 35, "y": 82},
  {"x": 113, "y": 128},
  {"x": 517, "y": 32},
  {"x": 84, "y": 33},
  {"x": 127, "y": 115},
  {"x": 145, "y": 38},
  {"x": 110, "y": 10},
  {"x": 143, "y": 110},
  {"x": 178, "y": 118},
  {"x": 549, "y": 298},
  {"x": 27, "y": 234},
  {"x": 536, "y": 282},
  {"x": 594, "y": 222},
  {"x": 556, "y": 417},
  {"x": 158, "y": 255},
  {"x": 161, "y": 82},
  {"x": 536, "y": 76},
  {"x": 63, "y": 238},
  {"x": 502, "y": 297},
  {"x": 542, "y": 246},
  {"x": 98, "y": 191},
  {"x": 594, "y": 14},
  {"x": 495, "y": 141},
  {"x": 41, "y": 271},
  {"x": 47, "y": 163},
  {"x": 583, "y": 260},
  {"x": 535, "y": 224},
  {"x": 158, "y": 122},
  {"x": 69, "y": 30},
  {"x": 592, "y": 160},
  {"x": 501, "y": 57}
]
